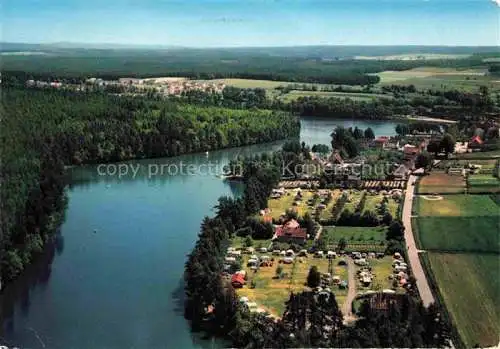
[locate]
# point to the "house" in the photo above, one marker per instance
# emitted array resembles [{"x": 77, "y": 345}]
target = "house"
[
  {"x": 291, "y": 232},
  {"x": 475, "y": 142},
  {"x": 410, "y": 152},
  {"x": 381, "y": 142},
  {"x": 238, "y": 280}
]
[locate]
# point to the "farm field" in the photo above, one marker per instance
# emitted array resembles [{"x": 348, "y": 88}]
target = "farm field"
[
  {"x": 440, "y": 78},
  {"x": 442, "y": 183},
  {"x": 472, "y": 234},
  {"x": 272, "y": 293},
  {"x": 458, "y": 223},
  {"x": 483, "y": 183},
  {"x": 413, "y": 56},
  {"x": 457, "y": 206},
  {"x": 470, "y": 287},
  {"x": 295, "y": 94}
]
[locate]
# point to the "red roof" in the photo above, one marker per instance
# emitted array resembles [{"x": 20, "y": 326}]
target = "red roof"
[
  {"x": 291, "y": 232},
  {"x": 476, "y": 139},
  {"x": 382, "y": 139},
  {"x": 238, "y": 279},
  {"x": 292, "y": 224}
]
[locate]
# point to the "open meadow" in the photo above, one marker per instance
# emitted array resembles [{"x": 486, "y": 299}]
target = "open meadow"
[
  {"x": 361, "y": 239},
  {"x": 458, "y": 223},
  {"x": 470, "y": 288}
]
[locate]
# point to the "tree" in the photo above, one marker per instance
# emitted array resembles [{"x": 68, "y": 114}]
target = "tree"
[
  {"x": 279, "y": 271},
  {"x": 387, "y": 218},
  {"x": 395, "y": 231},
  {"x": 434, "y": 147},
  {"x": 342, "y": 244},
  {"x": 248, "y": 242},
  {"x": 447, "y": 144},
  {"x": 320, "y": 148},
  {"x": 423, "y": 160},
  {"x": 314, "y": 277},
  {"x": 369, "y": 134}
]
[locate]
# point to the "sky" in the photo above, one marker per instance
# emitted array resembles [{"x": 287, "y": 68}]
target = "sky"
[{"x": 230, "y": 23}]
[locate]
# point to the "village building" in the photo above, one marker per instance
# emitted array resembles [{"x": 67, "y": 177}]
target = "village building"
[
  {"x": 291, "y": 232},
  {"x": 381, "y": 142}
]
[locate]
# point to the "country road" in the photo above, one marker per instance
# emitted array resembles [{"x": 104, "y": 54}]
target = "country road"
[
  {"x": 351, "y": 291},
  {"x": 423, "y": 286}
]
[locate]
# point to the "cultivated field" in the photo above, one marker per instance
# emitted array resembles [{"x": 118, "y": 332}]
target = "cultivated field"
[
  {"x": 483, "y": 183},
  {"x": 440, "y": 78},
  {"x": 413, "y": 57},
  {"x": 469, "y": 284},
  {"x": 441, "y": 183},
  {"x": 456, "y": 206},
  {"x": 295, "y": 94},
  {"x": 271, "y": 293},
  {"x": 458, "y": 223}
]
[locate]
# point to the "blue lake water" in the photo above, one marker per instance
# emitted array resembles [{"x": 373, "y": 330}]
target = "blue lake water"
[{"x": 113, "y": 280}]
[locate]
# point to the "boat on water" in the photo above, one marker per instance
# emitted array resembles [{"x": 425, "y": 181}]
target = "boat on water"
[{"x": 206, "y": 153}]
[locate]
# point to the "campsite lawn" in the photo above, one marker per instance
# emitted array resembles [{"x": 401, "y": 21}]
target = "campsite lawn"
[
  {"x": 381, "y": 269},
  {"x": 457, "y": 205},
  {"x": 373, "y": 201},
  {"x": 480, "y": 155},
  {"x": 441, "y": 183},
  {"x": 470, "y": 287},
  {"x": 279, "y": 206},
  {"x": 271, "y": 293}
]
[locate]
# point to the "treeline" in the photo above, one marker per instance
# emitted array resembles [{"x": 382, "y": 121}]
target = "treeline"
[
  {"x": 313, "y": 320},
  {"x": 45, "y": 130}
]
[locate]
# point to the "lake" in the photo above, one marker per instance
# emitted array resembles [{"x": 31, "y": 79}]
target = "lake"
[{"x": 113, "y": 279}]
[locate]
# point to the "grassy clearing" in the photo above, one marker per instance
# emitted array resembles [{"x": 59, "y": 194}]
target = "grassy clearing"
[
  {"x": 440, "y": 182},
  {"x": 470, "y": 287},
  {"x": 332, "y": 235},
  {"x": 457, "y": 205},
  {"x": 473, "y": 234},
  {"x": 272, "y": 293},
  {"x": 295, "y": 94},
  {"x": 373, "y": 201}
]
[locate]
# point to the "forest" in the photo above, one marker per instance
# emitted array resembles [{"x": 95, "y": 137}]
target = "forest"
[
  {"x": 45, "y": 130},
  {"x": 329, "y": 65}
]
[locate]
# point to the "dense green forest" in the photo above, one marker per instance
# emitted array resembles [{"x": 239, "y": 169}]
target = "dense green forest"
[
  {"x": 44, "y": 130},
  {"x": 309, "y": 320}
]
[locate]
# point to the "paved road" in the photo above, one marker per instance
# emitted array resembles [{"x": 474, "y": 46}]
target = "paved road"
[
  {"x": 422, "y": 284},
  {"x": 351, "y": 291}
]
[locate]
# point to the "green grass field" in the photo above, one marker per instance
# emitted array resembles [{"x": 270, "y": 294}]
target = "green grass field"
[
  {"x": 353, "y": 235},
  {"x": 473, "y": 234},
  {"x": 457, "y": 205},
  {"x": 469, "y": 284},
  {"x": 295, "y": 94},
  {"x": 483, "y": 183},
  {"x": 440, "y": 78},
  {"x": 271, "y": 294}
]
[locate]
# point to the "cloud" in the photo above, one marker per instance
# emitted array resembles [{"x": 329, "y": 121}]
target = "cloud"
[{"x": 496, "y": 2}]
